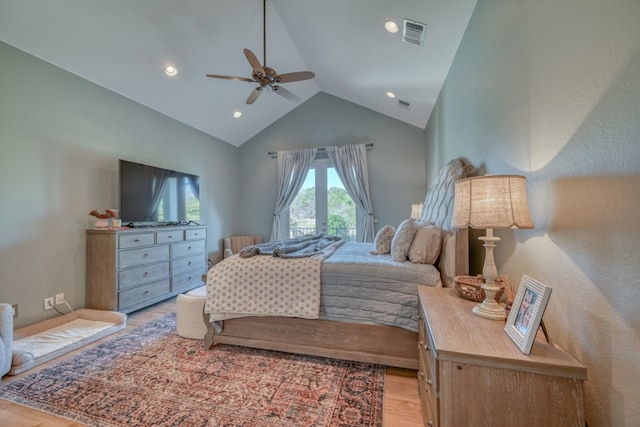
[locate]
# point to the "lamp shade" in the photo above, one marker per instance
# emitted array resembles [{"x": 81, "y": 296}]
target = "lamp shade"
[
  {"x": 491, "y": 201},
  {"x": 416, "y": 210}
]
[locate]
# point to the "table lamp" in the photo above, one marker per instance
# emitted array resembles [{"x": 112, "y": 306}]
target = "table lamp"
[
  {"x": 416, "y": 210},
  {"x": 491, "y": 201}
]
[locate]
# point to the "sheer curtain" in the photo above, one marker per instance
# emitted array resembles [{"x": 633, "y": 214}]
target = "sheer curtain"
[
  {"x": 352, "y": 168},
  {"x": 293, "y": 166}
]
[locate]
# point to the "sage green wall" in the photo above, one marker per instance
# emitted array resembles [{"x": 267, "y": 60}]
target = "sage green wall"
[
  {"x": 551, "y": 90},
  {"x": 60, "y": 140},
  {"x": 396, "y": 162}
]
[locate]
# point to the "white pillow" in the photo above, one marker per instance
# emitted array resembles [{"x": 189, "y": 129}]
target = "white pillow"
[
  {"x": 402, "y": 240},
  {"x": 426, "y": 245},
  {"x": 382, "y": 241}
]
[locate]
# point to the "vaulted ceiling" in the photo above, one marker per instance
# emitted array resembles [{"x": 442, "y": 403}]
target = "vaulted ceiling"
[{"x": 125, "y": 45}]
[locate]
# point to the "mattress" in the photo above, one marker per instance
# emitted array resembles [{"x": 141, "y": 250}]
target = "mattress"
[{"x": 364, "y": 288}]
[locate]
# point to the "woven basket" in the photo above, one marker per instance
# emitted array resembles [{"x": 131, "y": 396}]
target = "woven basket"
[{"x": 468, "y": 287}]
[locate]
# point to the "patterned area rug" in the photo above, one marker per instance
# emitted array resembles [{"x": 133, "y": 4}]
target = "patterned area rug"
[{"x": 152, "y": 377}]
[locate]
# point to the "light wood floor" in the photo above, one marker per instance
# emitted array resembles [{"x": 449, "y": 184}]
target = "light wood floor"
[{"x": 401, "y": 401}]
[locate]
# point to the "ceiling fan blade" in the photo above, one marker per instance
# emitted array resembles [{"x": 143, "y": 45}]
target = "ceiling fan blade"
[
  {"x": 240, "y": 79},
  {"x": 254, "y": 95},
  {"x": 255, "y": 64},
  {"x": 285, "y": 93},
  {"x": 295, "y": 77}
]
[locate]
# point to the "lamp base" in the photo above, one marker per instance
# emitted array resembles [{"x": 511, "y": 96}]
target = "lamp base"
[{"x": 489, "y": 310}]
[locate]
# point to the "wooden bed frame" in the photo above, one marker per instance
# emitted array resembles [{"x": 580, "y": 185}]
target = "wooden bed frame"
[{"x": 376, "y": 344}]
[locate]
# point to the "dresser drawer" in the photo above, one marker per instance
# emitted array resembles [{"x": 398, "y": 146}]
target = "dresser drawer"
[
  {"x": 429, "y": 406},
  {"x": 135, "y": 257},
  {"x": 147, "y": 273},
  {"x": 192, "y": 263},
  {"x": 135, "y": 240},
  {"x": 199, "y": 233},
  {"x": 426, "y": 351},
  {"x": 142, "y": 294},
  {"x": 186, "y": 281},
  {"x": 427, "y": 383},
  {"x": 169, "y": 236},
  {"x": 179, "y": 250}
]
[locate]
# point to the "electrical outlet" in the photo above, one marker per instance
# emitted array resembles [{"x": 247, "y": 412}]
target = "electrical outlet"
[
  {"x": 59, "y": 299},
  {"x": 48, "y": 303},
  {"x": 15, "y": 310}
]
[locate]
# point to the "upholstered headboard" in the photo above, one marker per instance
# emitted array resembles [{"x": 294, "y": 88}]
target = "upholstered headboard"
[{"x": 438, "y": 209}]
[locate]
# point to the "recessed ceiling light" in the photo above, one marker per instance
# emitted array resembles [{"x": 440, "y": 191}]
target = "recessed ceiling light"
[
  {"x": 237, "y": 114},
  {"x": 171, "y": 71},
  {"x": 391, "y": 95},
  {"x": 391, "y": 26}
]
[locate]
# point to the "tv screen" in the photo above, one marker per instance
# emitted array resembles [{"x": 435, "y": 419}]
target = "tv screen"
[{"x": 151, "y": 195}]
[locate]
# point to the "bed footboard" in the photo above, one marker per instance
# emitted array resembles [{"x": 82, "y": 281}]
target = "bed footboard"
[{"x": 383, "y": 345}]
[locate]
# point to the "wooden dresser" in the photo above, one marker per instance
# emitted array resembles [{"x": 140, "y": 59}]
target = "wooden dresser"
[
  {"x": 472, "y": 374},
  {"x": 128, "y": 269}
]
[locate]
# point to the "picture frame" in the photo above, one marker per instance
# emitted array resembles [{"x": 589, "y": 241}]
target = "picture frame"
[{"x": 526, "y": 313}]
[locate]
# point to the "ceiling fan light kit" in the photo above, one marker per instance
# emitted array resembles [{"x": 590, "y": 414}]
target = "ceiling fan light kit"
[{"x": 267, "y": 76}]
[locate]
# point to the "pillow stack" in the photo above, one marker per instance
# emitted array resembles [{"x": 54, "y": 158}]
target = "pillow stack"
[{"x": 419, "y": 242}]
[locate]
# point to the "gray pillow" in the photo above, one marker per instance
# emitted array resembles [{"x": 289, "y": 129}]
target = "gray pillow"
[
  {"x": 382, "y": 241},
  {"x": 402, "y": 239}
]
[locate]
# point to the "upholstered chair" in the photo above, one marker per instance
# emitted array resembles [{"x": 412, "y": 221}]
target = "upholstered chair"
[
  {"x": 233, "y": 244},
  {"x": 6, "y": 338}
]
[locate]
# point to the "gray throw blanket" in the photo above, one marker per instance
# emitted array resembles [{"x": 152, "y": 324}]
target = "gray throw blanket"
[{"x": 295, "y": 247}]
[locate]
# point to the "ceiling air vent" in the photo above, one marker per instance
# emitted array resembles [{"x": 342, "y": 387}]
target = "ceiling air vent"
[
  {"x": 413, "y": 32},
  {"x": 403, "y": 104}
]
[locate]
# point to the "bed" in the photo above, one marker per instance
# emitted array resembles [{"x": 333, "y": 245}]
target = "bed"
[{"x": 367, "y": 302}]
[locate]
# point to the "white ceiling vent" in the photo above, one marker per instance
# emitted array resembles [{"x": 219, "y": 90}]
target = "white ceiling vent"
[
  {"x": 403, "y": 104},
  {"x": 413, "y": 32}
]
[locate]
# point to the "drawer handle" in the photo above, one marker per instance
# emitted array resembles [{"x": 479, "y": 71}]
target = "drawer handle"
[
  {"x": 189, "y": 263},
  {"x": 136, "y": 240},
  {"x": 146, "y": 273},
  {"x": 169, "y": 236},
  {"x": 145, "y": 255},
  {"x": 146, "y": 291}
]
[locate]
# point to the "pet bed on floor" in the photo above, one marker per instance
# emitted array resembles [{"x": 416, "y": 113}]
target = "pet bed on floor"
[{"x": 44, "y": 341}]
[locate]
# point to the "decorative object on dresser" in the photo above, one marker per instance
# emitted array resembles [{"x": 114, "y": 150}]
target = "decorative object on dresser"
[
  {"x": 470, "y": 287},
  {"x": 471, "y": 374},
  {"x": 128, "y": 269},
  {"x": 526, "y": 313},
  {"x": 103, "y": 220},
  {"x": 491, "y": 201}
]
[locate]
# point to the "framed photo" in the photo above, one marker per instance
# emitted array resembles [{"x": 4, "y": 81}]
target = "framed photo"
[{"x": 526, "y": 313}]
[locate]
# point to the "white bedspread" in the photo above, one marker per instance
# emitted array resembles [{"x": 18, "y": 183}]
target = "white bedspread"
[{"x": 263, "y": 285}]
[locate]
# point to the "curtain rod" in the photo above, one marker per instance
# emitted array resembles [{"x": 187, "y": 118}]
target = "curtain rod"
[{"x": 274, "y": 154}]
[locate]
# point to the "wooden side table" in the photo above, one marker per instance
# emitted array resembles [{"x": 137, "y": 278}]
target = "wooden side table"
[{"x": 472, "y": 374}]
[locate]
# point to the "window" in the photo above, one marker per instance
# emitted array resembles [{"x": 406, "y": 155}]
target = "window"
[{"x": 323, "y": 205}]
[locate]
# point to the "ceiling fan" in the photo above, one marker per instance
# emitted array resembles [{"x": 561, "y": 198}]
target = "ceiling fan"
[{"x": 266, "y": 76}]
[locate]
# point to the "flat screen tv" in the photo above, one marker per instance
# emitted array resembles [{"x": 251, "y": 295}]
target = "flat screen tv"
[{"x": 150, "y": 195}]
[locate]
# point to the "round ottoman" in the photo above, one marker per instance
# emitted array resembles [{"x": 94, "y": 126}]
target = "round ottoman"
[{"x": 190, "y": 314}]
